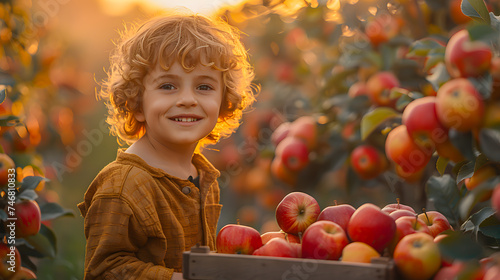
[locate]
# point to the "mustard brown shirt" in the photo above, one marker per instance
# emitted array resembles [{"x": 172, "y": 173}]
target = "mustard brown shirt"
[{"x": 138, "y": 220}]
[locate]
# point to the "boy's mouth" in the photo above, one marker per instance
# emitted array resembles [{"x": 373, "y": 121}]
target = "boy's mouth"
[{"x": 185, "y": 118}]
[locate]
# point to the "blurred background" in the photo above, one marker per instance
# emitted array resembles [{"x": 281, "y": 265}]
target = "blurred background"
[{"x": 307, "y": 54}]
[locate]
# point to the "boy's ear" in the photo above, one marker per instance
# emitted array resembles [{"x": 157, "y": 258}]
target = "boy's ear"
[{"x": 139, "y": 116}]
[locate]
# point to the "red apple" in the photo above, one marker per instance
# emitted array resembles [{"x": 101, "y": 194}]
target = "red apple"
[
  {"x": 459, "y": 105},
  {"x": 436, "y": 222},
  {"x": 10, "y": 260},
  {"x": 23, "y": 274},
  {"x": 417, "y": 257},
  {"x": 28, "y": 216},
  {"x": 481, "y": 175},
  {"x": 492, "y": 273},
  {"x": 370, "y": 225},
  {"x": 422, "y": 123},
  {"x": 296, "y": 212},
  {"x": 357, "y": 89},
  {"x": 403, "y": 151},
  {"x": 277, "y": 247},
  {"x": 367, "y": 161},
  {"x": 406, "y": 226},
  {"x": 466, "y": 58},
  {"x": 292, "y": 238},
  {"x": 461, "y": 270},
  {"x": 379, "y": 87},
  {"x": 339, "y": 214},
  {"x": 495, "y": 200},
  {"x": 238, "y": 239},
  {"x": 389, "y": 208},
  {"x": 304, "y": 128},
  {"x": 359, "y": 252},
  {"x": 293, "y": 153},
  {"x": 281, "y": 172},
  {"x": 401, "y": 213},
  {"x": 323, "y": 240}
]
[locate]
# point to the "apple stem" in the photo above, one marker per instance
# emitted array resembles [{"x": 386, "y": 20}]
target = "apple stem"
[
  {"x": 286, "y": 237},
  {"x": 300, "y": 237},
  {"x": 238, "y": 221},
  {"x": 397, "y": 199},
  {"x": 416, "y": 221},
  {"x": 427, "y": 217},
  {"x": 335, "y": 202}
]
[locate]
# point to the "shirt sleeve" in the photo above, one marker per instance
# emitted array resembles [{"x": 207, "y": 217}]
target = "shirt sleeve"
[{"x": 114, "y": 239}]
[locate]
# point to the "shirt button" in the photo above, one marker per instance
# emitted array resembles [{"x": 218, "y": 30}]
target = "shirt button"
[{"x": 186, "y": 190}]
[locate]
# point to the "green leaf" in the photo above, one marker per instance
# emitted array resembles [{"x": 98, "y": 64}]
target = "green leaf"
[
  {"x": 434, "y": 57},
  {"x": 489, "y": 142},
  {"x": 458, "y": 246},
  {"x": 28, "y": 195},
  {"x": 53, "y": 210},
  {"x": 466, "y": 171},
  {"x": 422, "y": 47},
  {"x": 443, "y": 192},
  {"x": 473, "y": 226},
  {"x": 374, "y": 118},
  {"x": 441, "y": 164},
  {"x": 491, "y": 227},
  {"x": 44, "y": 241},
  {"x": 30, "y": 183},
  {"x": 464, "y": 142},
  {"x": 476, "y": 9},
  {"x": 439, "y": 76}
]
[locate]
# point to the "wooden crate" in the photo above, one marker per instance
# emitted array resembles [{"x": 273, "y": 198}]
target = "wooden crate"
[{"x": 202, "y": 264}]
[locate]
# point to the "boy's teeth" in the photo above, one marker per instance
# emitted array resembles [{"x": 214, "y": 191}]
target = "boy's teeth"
[{"x": 185, "y": 119}]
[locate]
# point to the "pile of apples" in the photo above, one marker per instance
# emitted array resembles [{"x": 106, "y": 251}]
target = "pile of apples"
[{"x": 344, "y": 233}]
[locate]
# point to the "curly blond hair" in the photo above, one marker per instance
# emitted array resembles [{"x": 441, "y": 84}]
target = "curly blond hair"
[{"x": 189, "y": 39}]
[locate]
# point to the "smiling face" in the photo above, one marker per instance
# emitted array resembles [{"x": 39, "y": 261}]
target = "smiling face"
[{"x": 180, "y": 108}]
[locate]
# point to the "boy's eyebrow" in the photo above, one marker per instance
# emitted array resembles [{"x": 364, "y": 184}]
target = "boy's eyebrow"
[{"x": 173, "y": 76}]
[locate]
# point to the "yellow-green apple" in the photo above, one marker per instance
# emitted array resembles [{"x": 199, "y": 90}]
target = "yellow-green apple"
[
  {"x": 23, "y": 274},
  {"x": 10, "y": 260},
  {"x": 292, "y": 238},
  {"x": 379, "y": 88},
  {"x": 281, "y": 172},
  {"x": 28, "y": 218},
  {"x": 323, "y": 240},
  {"x": 358, "y": 252},
  {"x": 370, "y": 225},
  {"x": 304, "y": 128},
  {"x": 482, "y": 174},
  {"x": 422, "y": 123},
  {"x": 389, "y": 208},
  {"x": 297, "y": 211},
  {"x": 402, "y": 150},
  {"x": 408, "y": 225},
  {"x": 459, "y": 105},
  {"x": 417, "y": 257},
  {"x": 238, "y": 239},
  {"x": 495, "y": 200},
  {"x": 436, "y": 222},
  {"x": 466, "y": 58},
  {"x": 293, "y": 153},
  {"x": 339, "y": 214},
  {"x": 357, "y": 89},
  {"x": 6, "y": 163},
  {"x": 277, "y": 247},
  {"x": 401, "y": 213},
  {"x": 280, "y": 133},
  {"x": 367, "y": 161}
]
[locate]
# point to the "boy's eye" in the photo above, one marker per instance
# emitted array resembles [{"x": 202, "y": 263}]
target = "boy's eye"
[
  {"x": 205, "y": 87},
  {"x": 167, "y": 86}
]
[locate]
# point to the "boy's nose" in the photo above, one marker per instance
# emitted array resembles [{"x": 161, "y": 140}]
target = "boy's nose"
[{"x": 187, "y": 99}]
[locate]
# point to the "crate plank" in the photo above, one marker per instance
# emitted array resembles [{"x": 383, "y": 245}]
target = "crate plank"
[{"x": 204, "y": 266}]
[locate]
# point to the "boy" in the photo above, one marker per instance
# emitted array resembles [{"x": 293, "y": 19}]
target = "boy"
[{"x": 178, "y": 83}]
